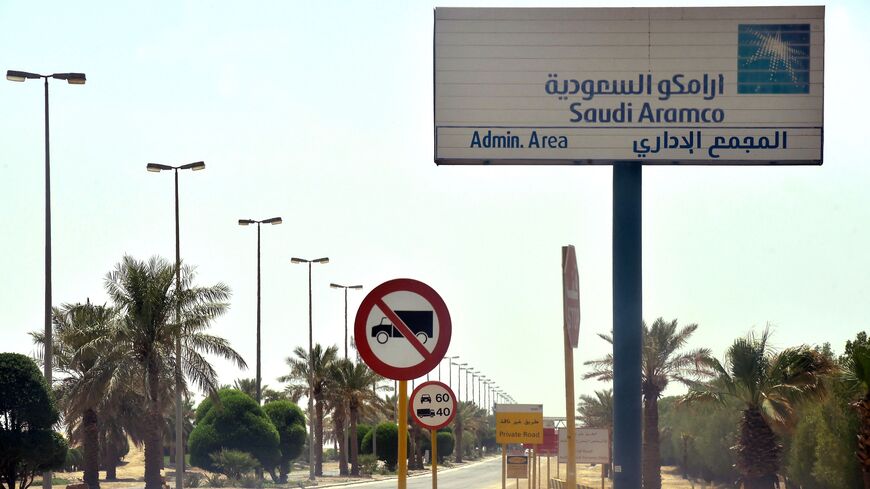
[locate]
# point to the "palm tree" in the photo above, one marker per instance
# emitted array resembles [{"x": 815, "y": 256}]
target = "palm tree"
[
  {"x": 662, "y": 362},
  {"x": 85, "y": 356},
  {"x": 857, "y": 376},
  {"x": 353, "y": 389},
  {"x": 122, "y": 415},
  {"x": 596, "y": 412},
  {"x": 302, "y": 378},
  {"x": 469, "y": 420},
  {"x": 769, "y": 387},
  {"x": 146, "y": 297}
]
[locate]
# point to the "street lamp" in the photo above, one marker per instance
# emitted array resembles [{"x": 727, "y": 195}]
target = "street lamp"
[
  {"x": 311, "y": 454},
  {"x": 481, "y": 392},
  {"x": 179, "y": 437},
  {"x": 449, "y": 370},
  {"x": 246, "y": 222},
  {"x": 72, "y": 79},
  {"x": 345, "y": 287},
  {"x": 459, "y": 381}
]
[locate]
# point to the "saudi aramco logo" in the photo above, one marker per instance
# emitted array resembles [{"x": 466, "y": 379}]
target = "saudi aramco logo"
[{"x": 773, "y": 58}]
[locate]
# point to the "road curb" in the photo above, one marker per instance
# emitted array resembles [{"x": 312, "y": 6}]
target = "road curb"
[{"x": 369, "y": 481}]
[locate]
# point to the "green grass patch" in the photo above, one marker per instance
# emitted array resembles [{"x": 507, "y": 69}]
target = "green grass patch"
[{"x": 55, "y": 481}]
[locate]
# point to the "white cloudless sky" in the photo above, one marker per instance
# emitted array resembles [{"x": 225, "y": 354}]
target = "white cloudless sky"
[{"x": 321, "y": 112}]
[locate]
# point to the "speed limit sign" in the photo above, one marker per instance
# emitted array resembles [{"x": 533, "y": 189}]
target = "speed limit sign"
[{"x": 433, "y": 405}]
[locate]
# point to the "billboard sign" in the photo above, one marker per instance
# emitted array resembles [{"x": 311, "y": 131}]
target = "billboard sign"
[
  {"x": 704, "y": 86},
  {"x": 593, "y": 446}
]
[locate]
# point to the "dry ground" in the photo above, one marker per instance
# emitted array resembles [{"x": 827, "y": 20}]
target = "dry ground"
[{"x": 131, "y": 475}]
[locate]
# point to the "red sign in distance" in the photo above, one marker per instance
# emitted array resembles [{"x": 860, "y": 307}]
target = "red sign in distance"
[
  {"x": 402, "y": 329},
  {"x": 433, "y": 405},
  {"x": 550, "y": 445},
  {"x": 571, "y": 294}
]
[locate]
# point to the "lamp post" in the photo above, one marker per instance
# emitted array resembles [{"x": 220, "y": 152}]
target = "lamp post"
[
  {"x": 481, "y": 392},
  {"x": 467, "y": 373},
  {"x": 345, "y": 287},
  {"x": 246, "y": 222},
  {"x": 450, "y": 370},
  {"x": 179, "y": 433},
  {"x": 459, "y": 381},
  {"x": 72, "y": 79},
  {"x": 311, "y": 454}
]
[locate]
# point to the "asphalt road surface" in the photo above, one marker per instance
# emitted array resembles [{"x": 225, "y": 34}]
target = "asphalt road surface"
[{"x": 484, "y": 475}]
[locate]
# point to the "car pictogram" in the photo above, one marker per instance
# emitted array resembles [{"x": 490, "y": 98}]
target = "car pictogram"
[{"x": 425, "y": 398}]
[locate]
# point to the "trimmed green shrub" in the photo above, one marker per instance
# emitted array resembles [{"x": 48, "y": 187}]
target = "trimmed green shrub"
[
  {"x": 387, "y": 444},
  {"x": 290, "y": 423},
  {"x": 28, "y": 445},
  {"x": 361, "y": 432},
  {"x": 446, "y": 444},
  {"x": 238, "y": 423}
]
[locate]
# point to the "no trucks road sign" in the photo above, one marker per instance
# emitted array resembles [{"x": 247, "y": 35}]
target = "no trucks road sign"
[
  {"x": 402, "y": 329},
  {"x": 433, "y": 405}
]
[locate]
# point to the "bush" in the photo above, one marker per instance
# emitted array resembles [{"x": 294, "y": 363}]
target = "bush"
[
  {"x": 362, "y": 430},
  {"x": 234, "y": 463},
  {"x": 74, "y": 460},
  {"x": 28, "y": 446},
  {"x": 238, "y": 423},
  {"x": 290, "y": 423},
  {"x": 215, "y": 480},
  {"x": 368, "y": 464},
  {"x": 387, "y": 446},
  {"x": 249, "y": 482},
  {"x": 446, "y": 444},
  {"x": 194, "y": 479}
]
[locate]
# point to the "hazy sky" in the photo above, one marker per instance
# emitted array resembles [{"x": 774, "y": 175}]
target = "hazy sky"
[{"x": 321, "y": 112}]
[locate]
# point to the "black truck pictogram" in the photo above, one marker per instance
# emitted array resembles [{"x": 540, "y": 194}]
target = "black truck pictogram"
[
  {"x": 420, "y": 323},
  {"x": 425, "y": 413}
]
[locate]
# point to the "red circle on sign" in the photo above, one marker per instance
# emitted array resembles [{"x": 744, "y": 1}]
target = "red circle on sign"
[
  {"x": 430, "y": 359},
  {"x": 414, "y": 410}
]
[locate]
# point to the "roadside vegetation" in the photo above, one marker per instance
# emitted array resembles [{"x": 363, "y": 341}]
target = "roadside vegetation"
[
  {"x": 753, "y": 417},
  {"x": 762, "y": 417}
]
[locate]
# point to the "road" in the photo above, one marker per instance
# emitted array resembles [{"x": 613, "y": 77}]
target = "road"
[{"x": 484, "y": 475}]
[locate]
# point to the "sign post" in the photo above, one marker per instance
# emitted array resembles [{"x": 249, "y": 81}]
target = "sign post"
[
  {"x": 433, "y": 406},
  {"x": 517, "y": 423},
  {"x": 402, "y": 330},
  {"x": 403, "y": 435},
  {"x": 433, "y": 436},
  {"x": 571, "y": 328},
  {"x": 503, "y": 466}
]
